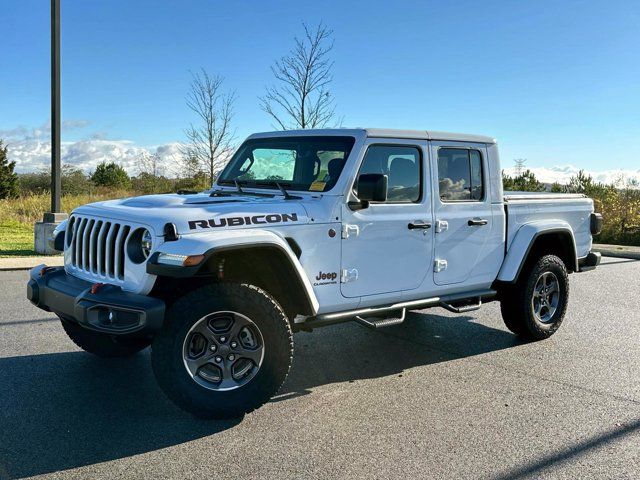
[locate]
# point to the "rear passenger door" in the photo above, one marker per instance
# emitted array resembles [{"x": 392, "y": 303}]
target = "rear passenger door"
[{"x": 463, "y": 212}]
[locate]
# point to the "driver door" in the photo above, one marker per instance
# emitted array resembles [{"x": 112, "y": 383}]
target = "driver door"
[{"x": 387, "y": 247}]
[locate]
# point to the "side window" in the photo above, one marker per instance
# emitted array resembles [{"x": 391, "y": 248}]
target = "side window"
[
  {"x": 401, "y": 165},
  {"x": 477, "y": 185},
  {"x": 460, "y": 176}
]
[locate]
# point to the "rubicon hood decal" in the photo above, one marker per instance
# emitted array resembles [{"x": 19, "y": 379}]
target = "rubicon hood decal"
[
  {"x": 198, "y": 214},
  {"x": 262, "y": 219}
]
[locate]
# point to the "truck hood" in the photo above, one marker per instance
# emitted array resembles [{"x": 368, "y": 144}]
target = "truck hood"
[{"x": 200, "y": 212}]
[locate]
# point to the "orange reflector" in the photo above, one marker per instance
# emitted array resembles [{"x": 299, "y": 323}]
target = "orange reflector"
[
  {"x": 192, "y": 260},
  {"x": 44, "y": 271}
]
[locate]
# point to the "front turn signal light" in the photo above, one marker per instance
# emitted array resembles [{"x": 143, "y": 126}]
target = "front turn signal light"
[
  {"x": 193, "y": 260},
  {"x": 180, "y": 260}
]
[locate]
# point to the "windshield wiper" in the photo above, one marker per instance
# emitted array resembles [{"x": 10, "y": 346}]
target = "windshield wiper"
[
  {"x": 287, "y": 195},
  {"x": 284, "y": 192},
  {"x": 239, "y": 191}
]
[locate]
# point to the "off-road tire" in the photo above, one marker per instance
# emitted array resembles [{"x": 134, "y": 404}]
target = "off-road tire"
[
  {"x": 517, "y": 306},
  {"x": 102, "y": 344},
  {"x": 167, "y": 350}
]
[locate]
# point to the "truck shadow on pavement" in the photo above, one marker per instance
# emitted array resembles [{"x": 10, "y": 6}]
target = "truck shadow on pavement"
[
  {"x": 351, "y": 352},
  {"x": 65, "y": 410}
]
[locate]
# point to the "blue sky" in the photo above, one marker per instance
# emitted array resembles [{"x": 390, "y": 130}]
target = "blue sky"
[{"x": 557, "y": 83}]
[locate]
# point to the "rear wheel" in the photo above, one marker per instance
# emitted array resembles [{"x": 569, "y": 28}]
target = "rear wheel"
[
  {"x": 225, "y": 349},
  {"x": 103, "y": 344},
  {"x": 535, "y": 307}
]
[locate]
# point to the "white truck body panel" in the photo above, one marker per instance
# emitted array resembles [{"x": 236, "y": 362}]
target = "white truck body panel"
[
  {"x": 530, "y": 214},
  {"x": 376, "y": 259}
]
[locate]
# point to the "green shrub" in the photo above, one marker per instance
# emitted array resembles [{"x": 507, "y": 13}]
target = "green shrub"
[
  {"x": 148, "y": 183},
  {"x": 111, "y": 175},
  {"x": 198, "y": 183},
  {"x": 619, "y": 205},
  {"x": 74, "y": 181},
  {"x": 525, "y": 182}
]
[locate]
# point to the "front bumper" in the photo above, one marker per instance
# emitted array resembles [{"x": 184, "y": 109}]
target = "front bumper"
[{"x": 109, "y": 310}]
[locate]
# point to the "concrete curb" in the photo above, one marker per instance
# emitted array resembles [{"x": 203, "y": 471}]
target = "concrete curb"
[
  {"x": 27, "y": 263},
  {"x": 618, "y": 251}
]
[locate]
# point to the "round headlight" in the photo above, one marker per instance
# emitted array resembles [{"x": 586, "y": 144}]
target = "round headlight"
[{"x": 146, "y": 243}]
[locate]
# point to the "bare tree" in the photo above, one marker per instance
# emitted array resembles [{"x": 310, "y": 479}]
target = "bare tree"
[
  {"x": 302, "y": 99},
  {"x": 149, "y": 164},
  {"x": 210, "y": 140},
  {"x": 151, "y": 171}
]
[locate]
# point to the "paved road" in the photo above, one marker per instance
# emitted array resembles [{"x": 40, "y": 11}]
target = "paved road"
[{"x": 437, "y": 397}]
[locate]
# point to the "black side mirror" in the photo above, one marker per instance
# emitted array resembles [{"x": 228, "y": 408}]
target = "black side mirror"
[{"x": 372, "y": 187}]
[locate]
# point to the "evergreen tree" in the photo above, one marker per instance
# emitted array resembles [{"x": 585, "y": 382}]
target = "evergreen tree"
[
  {"x": 523, "y": 182},
  {"x": 111, "y": 175},
  {"x": 8, "y": 178}
]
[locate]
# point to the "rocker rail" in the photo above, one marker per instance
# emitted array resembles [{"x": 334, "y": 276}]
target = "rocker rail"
[{"x": 445, "y": 301}]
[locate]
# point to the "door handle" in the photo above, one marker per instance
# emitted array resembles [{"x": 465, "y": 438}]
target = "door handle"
[
  {"x": 416, "y": 225},
  {"x": 476, "y": 222}
]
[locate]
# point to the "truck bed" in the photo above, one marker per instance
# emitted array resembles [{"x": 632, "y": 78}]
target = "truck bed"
[
  {"x": 515, "y": 196},
  {"x": 531, "y": 207}
]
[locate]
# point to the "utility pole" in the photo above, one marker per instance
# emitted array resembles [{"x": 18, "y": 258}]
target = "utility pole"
[
  {"x": 43, "y": 230},
  {"x": 520, "y": 163}
]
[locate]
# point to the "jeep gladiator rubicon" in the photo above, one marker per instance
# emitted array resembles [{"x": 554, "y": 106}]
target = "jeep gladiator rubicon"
[{"x": 304, "y": 229}]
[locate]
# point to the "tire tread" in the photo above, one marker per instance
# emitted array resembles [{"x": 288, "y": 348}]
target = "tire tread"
[
  {"x": 183, "y": 311},
  {"x": 515, "y": 300}
]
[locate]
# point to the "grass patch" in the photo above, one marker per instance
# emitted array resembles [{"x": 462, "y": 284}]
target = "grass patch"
[
  {"x": 30, "y": 208},
  {"x": 16, "y": 239},
  {"x": 18, "y": 215}
]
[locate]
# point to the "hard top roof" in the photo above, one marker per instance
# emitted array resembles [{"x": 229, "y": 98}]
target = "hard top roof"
[{"x": 381, "y": 133}]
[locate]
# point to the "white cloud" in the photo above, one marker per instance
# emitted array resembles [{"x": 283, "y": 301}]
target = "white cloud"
[
  {"x": 31, "y": 150},
  {"x": 562, "y": 174}
]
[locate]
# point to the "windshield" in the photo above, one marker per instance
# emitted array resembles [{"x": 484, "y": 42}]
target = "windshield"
[{"x": 311, "y": 164}]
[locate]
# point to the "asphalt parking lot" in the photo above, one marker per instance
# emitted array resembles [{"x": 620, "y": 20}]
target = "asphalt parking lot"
[{"x": 440, "y": 396}]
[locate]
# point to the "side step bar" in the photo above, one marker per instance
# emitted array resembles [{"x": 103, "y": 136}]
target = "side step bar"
[
  {"x": 363, "y": 315},
  {"x": 463, "y": 308},
  {"x": 382, "y": 322}
]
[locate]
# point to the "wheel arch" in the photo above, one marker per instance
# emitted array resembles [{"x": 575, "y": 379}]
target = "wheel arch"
[
  {"x": 263, "y": 259},
  {"x": 535, "y": 240},
  {"x": 268, "y": 266}
]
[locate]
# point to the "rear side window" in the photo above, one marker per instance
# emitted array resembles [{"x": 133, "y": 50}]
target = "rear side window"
[
  {"x": 460, "y": 175},
  {"x": 401, "y": 164}
]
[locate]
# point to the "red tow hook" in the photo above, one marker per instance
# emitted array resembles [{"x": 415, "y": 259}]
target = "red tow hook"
[
  {"x": 95, "y": 287},
  {"x": 44, "y": 270}
]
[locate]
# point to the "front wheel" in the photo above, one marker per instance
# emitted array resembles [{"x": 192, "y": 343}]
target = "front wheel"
[
  {"x": 224, "y": 350},
  {"x": 535, "y": 307}
]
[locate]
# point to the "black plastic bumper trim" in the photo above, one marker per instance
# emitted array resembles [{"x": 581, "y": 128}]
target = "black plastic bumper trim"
[
  {"x": 110, "y": 310},
  {"x": 590, "y": 262}
]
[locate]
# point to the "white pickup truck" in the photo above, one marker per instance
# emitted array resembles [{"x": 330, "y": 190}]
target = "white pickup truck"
[{"x": 304, "y": 229}]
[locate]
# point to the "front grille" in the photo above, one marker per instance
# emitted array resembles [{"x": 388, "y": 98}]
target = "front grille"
[{"x": 97, "y": 247}]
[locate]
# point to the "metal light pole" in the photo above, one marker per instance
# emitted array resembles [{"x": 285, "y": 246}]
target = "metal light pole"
[
  {"x": 55, "y": 106},
  {"x": 43, "y": 230}
]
